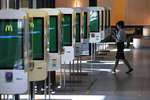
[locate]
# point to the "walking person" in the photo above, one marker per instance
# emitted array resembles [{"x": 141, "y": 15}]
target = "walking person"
[{"x": 120, "y": 38}]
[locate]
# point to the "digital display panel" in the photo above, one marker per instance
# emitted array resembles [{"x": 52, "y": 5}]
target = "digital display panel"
[
  {"x": 37, "y": 40},
  {"x": 78, "y": 19},
  {"x": 109, "y": 18},
  {"x": 53, "y": 29},
  {"x": 11, "y": 42},
  {"x": 94, "y": 21},
  {"x": 106, "y": 19},
  {"x": 85, "y": 25},
  {"x": 102, "y": 20},
  {"x": 67, "y": 30}
]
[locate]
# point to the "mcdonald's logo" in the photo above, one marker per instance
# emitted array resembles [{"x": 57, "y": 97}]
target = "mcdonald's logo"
[
  {"x": 32, "y": 25},
  {"x": 8, "y": 28}
]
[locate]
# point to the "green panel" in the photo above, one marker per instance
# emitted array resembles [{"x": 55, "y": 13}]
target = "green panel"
[
  {"x": 94, "y": 21},
  {"x": 85, "y": 24},
  {"x": 53, "y": 34},
  {"x": 67, "y": 30},
  {"x": 11, "y": 40},
  {"x": 102, "y": 20},
  {"x": 38, "y": 38},
  {"x": 78, "y": 27}
]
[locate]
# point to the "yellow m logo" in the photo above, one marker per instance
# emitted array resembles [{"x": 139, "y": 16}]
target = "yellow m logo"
[
  {"x": 8, "y": 28},
  {"x": 32, "y": 25}
]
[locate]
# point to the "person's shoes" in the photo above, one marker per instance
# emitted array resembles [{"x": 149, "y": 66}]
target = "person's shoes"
[
  {"x": 113, "y": 71},
  {"x": 130, "y": 70}
]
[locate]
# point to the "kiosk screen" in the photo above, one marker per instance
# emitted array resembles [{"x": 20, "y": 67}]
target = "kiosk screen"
[
  {"x": 94, "y": 21},
  {"x": 53, "y": 29},
  {"x": 11, "y": 42},
  {"x": 109, "y": 18},
  {"x": 85, "y": 24},
  {"x": 102, "y": 20},
  {"x": 67, "y": 30},
  {"x": 38, "y": 38},
  {"x": 78, "y": 27},
  {"x": 106, "y": 18}
]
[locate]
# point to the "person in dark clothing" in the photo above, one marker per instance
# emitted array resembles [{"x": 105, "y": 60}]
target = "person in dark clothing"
[{"x": 120, "y": 38}]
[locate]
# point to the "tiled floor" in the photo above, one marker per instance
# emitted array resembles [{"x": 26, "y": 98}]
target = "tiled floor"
[{"x": 121, "y": 86}]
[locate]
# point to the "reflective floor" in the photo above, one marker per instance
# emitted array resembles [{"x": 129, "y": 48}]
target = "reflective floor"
[
  {"x": 96, "y": 82},
  {"x": 120, "y": 86}
]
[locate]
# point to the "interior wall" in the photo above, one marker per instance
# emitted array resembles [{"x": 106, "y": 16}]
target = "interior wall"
[
  {"x": 109, "y": 3},
  {"x": 134, "y": 12},
  {"x": 118, "y": 9},
  {"x": 138, "y": 13},
  {"x": 71, "y": 3}
]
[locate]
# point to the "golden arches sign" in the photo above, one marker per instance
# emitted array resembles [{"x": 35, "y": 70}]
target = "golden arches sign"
[{"x": 8, "y": 28}]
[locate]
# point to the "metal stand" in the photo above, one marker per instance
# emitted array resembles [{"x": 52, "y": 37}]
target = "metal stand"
[
  {"x": 7, "y": 97},
  {"x": 4, "y": 97},
  {"x": 45, "y": 88},
  {"x": 80, "y": 65},
  {"x": 31, "y": 91},
  {"x": 92, "y": 52},
  {"x": 61, "y": 76},
  {"x": 7, "y": 4},
  {"x": 77, "y": 65},
  {"x": 64, "y": 75},
  {"x": 17, "y": 97},
  {"x": 73, "y": 70},
  {"x": 49, "y": 84},
  {"x": 70, "y": 72}
]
